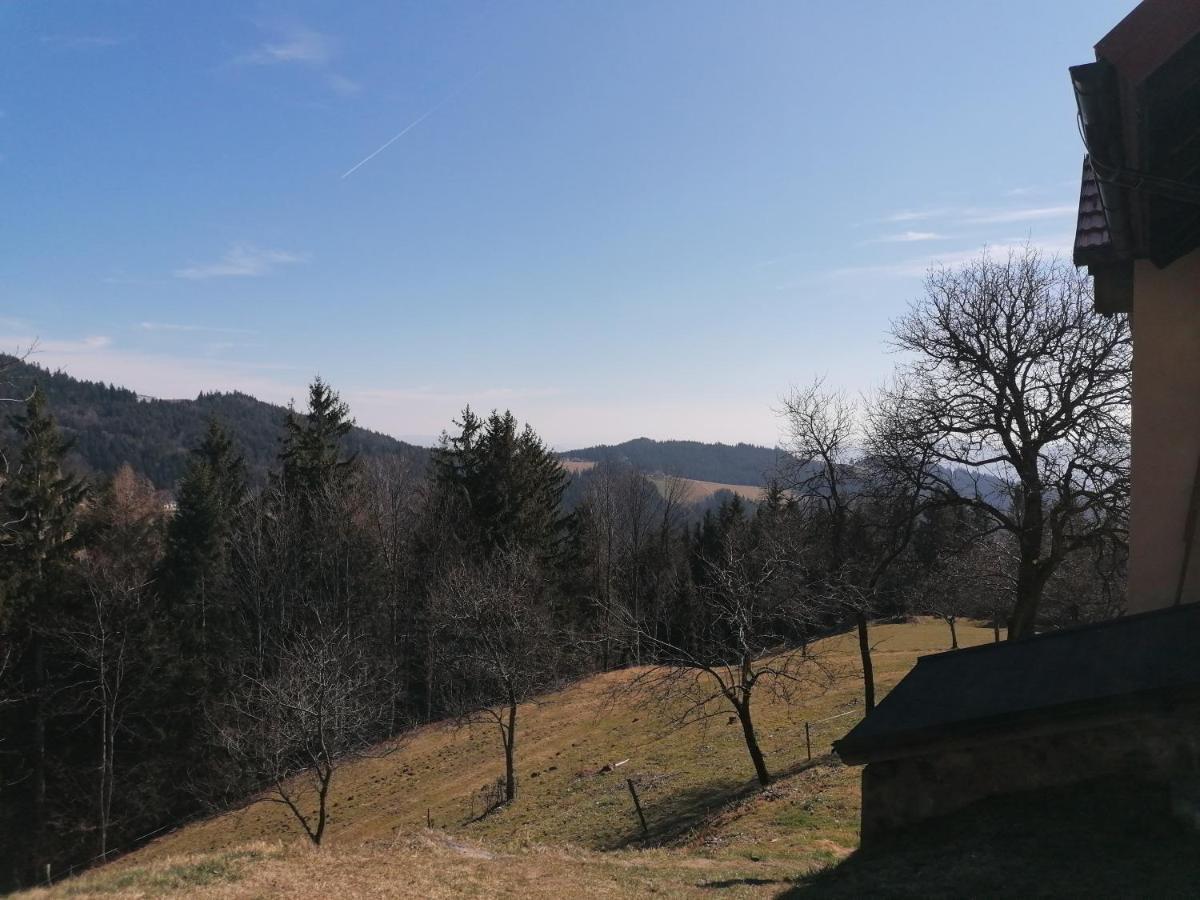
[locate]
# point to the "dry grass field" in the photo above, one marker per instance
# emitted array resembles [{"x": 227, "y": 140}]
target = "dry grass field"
[
  {"x": 696, "y": 490},
  {"x": 572, "y": 830}
]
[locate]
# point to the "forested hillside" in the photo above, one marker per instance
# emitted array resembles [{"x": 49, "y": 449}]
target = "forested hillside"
[
  {"x": 724, "y": 463},
  {"x": 110, "y": 426}
]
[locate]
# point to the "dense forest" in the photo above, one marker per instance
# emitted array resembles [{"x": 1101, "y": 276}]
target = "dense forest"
[
  {"x": 158, "y": 660},
  {"x": 110, "y": 426}
]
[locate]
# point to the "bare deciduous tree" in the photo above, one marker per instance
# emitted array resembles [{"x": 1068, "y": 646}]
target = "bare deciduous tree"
[
  {"x": 861, "y": 488},
  {"x": 390, "y": 505},
  {"x": 104, "y": 646},
  {"x": 495, "y": 637},
  {"x": 1020, "y": 392},
  {"x": 752, "y": 640},
  {"x": 293, "y": 729}
]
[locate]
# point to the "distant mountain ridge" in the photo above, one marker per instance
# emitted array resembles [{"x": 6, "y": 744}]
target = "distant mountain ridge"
[
  {"x": 744, "y": 464},
  {"x": 111, "y": 426}
]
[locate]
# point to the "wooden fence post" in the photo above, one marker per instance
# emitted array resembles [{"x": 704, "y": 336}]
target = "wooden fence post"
[
  {"x": 637, "y": 804},
  {"x": 808, "y": 740}
]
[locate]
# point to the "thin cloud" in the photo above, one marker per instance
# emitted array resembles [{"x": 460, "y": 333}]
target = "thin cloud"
[
  {"x": 242, "y": 261},
  {"x": 340, "y": 84},
  {"x": 908, "y": 237},
  {"x": 1030, "y": 214},
  {"x": 205, "y": 329},
  {"x": 912, "y": 215},
  {"x": 84, "y": 41},
  {"x": 292, "y": 43},
  {"x": 919, "y": 266}
]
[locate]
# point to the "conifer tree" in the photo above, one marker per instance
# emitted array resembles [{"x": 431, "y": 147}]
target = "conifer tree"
[
  {"x": 197, "y": 539},
  {"x": 508, "y": 483},
  {"x": 40, "y": 524},
  {"x": 311, "y": 455}
]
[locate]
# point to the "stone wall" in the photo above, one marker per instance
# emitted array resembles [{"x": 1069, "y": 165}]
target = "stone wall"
[{"x": 1162, "y": 745}]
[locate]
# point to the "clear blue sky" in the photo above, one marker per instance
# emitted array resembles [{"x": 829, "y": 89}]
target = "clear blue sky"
[{"x": 616, "y": 218}]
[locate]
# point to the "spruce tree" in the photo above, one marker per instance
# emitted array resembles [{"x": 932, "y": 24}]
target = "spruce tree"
[
  {"x": 507, "y": 485},
  {"x": 41, "y": 515},
  {"x": 198, "y": 537},
  {"x": 312, "y": 456}
]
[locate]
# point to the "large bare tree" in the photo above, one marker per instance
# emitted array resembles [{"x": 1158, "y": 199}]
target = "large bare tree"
[
  {"x": 754, "y": 620},
  {"x": 1020, "y": 394}
]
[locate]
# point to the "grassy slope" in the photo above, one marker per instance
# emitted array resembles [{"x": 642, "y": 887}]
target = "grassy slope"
[
  {"x": 708, "y": 823},
  {"x": 696, "y": 490}
]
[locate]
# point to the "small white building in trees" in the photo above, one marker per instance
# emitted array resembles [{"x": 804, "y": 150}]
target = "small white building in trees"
[{"x": 1121, "y": 698}]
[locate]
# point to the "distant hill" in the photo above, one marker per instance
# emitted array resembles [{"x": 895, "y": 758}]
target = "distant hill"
[
  {"x": 725, "y": 464},
  {"x": 113, "y": 425}
]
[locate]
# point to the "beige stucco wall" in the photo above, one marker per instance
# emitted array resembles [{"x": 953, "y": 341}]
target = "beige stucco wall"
[{"x": 1166, "y": 429}]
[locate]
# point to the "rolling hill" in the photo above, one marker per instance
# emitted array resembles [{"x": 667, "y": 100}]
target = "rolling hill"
[{"x": 112, "y": 425}]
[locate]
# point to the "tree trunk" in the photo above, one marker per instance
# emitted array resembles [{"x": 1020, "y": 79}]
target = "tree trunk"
[
  {"x": 322, "y": 797},
  {"x": 864, "y": 651},
  {"x": 510, "y": 741},
  {"x": 1031, "y": 577},
  {"x": 756, "y": 756},
  {"x": 1029, "y": 596},
  {"x": 953, "y": 634},
  {"x": 38, "y": 739}
]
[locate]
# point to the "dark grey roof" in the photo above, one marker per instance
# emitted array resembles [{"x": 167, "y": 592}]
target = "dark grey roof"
[
  {"x": 1092, "y": 239},
  {"x": 1113, "y": 666}
]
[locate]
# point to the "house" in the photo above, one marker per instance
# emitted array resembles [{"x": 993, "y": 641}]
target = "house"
[{"x": 1124, "y": 695}]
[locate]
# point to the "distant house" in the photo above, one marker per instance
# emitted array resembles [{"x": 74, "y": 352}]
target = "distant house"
[{"x": 1123, "y": 695}]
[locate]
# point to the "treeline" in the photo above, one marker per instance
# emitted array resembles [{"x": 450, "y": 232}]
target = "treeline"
[
  {"x": 111, "y": 426},
  {"x": 158, "y": 662}
]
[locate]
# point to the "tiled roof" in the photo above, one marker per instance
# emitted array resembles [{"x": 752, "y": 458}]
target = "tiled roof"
[
  {"x": 1093, "y": 242},
  {"x": 1113, "y": 666}
]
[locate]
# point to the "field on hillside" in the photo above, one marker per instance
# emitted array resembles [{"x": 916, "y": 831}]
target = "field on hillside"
[
  {"x": 702, "y": 490},
  {"x": 696, "y": 490},
  {"x": 706, "y": 817}
]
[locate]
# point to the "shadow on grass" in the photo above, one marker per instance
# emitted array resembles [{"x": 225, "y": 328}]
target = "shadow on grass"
[
  {"x": 744, "y": 882},
  {"x": 1107, "y": 838},
  {"x": 672, "y": 817}
]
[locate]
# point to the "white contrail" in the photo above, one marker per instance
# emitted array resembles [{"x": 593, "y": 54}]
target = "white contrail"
[{"x": 410, "y": 126}]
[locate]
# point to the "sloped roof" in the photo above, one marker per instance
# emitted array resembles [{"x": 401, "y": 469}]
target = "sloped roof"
[
  {"x": 1093, "y": 242},
  {"x": 1110, "y": 667}
]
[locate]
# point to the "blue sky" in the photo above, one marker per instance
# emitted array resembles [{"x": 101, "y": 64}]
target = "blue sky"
[{"x": 616, "y": 218}]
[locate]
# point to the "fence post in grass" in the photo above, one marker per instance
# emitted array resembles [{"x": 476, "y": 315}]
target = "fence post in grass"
[
  {"x": 637, "y": 804},
  {"x": 429, "y": 818},
  {"x": 808, "y": 740}
]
